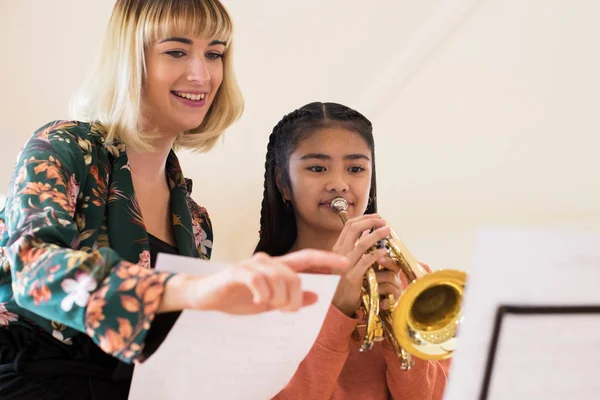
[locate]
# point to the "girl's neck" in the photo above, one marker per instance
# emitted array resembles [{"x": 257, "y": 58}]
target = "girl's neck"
[{"x": 310, "y": 238}]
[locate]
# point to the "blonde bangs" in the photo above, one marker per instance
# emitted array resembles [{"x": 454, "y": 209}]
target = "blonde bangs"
[{"x": 184, "y": 18}]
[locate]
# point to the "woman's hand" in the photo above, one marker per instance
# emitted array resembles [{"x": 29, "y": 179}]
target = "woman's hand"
[
  {"x": 261, "y": 283},
  {"x": 353, "y": 243}
]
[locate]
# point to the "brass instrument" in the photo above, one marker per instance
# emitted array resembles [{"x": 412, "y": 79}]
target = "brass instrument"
[{"x": 425, "y": 319}]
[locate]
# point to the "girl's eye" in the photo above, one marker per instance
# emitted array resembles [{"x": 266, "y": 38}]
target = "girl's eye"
[
  {"x": 317, "y": 168},
  {"x": 175, "y": 53},
  {"x": 356, "y": 169}
]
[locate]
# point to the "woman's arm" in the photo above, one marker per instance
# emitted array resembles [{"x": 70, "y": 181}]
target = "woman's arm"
[{"x": 97, "y": 292}]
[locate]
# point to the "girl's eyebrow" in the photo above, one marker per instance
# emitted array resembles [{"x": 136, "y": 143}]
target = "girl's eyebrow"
[{"x": 321, "y": 156}]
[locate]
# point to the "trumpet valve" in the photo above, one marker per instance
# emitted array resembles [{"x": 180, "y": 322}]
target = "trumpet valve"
[
  {"x": 406, "y": 361},
  {"x": 378, "y": 337},
  {"x": 382, "y": 244}
]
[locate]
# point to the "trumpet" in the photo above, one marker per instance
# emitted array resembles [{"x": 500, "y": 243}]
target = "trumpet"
[{"x": 425, "y": 319}]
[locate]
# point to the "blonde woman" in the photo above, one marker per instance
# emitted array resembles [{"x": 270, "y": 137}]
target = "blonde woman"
[{"x": 93, "y": 199}]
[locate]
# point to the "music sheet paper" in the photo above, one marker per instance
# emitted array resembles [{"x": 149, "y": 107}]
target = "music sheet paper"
[
  {"x": 211, "y": 355},
  {"x": 547, "y": 357},
  {"x": 539, "y": 355}
]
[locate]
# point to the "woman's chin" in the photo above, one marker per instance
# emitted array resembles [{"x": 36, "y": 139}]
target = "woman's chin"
[{"x": 190, "y": 124}]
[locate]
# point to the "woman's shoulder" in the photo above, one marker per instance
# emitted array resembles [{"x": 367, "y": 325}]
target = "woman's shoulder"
[
  {"x": 86, "y": 138},
  {"x": 66, "y": 130}
]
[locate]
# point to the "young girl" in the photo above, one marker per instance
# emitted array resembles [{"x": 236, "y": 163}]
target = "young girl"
[
  {"x": 316, "y": 153},
  {"x": 93, "y": 200}
]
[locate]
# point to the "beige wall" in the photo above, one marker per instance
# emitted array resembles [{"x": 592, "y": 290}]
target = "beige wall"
[{"x": 484, "y": 111}]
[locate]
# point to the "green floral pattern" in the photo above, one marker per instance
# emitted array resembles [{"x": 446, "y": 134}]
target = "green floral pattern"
[{"x": 74, "y": 255}]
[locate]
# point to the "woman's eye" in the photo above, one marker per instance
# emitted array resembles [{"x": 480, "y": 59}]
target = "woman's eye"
[
  {"x": 215, "y": 56},
  {"x": 316, "y": 168},
  {"x": 175, "y": 53}
]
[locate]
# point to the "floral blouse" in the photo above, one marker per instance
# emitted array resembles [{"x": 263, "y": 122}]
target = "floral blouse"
[{"x": 74, "y": 253}]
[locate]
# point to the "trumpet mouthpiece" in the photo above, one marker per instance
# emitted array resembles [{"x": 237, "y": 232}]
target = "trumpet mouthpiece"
[{"x": 339, "y": 204}]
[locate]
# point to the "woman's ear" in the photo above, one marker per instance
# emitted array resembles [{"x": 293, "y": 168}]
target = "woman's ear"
[{"x": 285, "y": 193}]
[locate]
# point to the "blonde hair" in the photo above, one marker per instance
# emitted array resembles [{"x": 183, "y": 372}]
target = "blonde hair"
[{"x": 112, "y": 94}]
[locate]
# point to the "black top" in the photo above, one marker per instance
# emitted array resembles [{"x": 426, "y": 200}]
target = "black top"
[
  {"x": 163, "y": 322},
  {"x": 158, "y": 246}
]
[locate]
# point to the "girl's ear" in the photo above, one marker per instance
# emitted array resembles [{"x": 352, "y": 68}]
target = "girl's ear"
[{"x": 285, "y": 193}]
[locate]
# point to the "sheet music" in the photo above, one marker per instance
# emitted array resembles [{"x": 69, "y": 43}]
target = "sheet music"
[
  {"x": 529, "y": 267},
  {"x": 550, "y": 357},
  {"x": 211, "y": 355}
]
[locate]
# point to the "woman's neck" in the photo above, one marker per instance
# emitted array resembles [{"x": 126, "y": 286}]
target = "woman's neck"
[{"x": 150, "y": 166}]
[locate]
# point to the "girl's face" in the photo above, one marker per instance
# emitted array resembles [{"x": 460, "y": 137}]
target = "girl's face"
[
  {"x": 183, "y": 77},
  {"x": 328, "y": 163}
]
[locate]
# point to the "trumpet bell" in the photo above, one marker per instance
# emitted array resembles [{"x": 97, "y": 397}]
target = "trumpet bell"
[{"x": 428, "y": 314}]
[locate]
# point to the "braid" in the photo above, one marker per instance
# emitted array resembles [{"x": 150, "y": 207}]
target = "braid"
[
  {"x": 268, "y": 167},
  {"x": 277, "y": 222}
]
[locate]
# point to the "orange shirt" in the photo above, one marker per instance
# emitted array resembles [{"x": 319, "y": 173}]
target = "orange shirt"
[{"x": 336, "y": 369}]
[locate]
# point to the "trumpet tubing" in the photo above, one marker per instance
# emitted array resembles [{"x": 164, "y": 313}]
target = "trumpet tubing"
[{"x": 425, "y": 319}]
